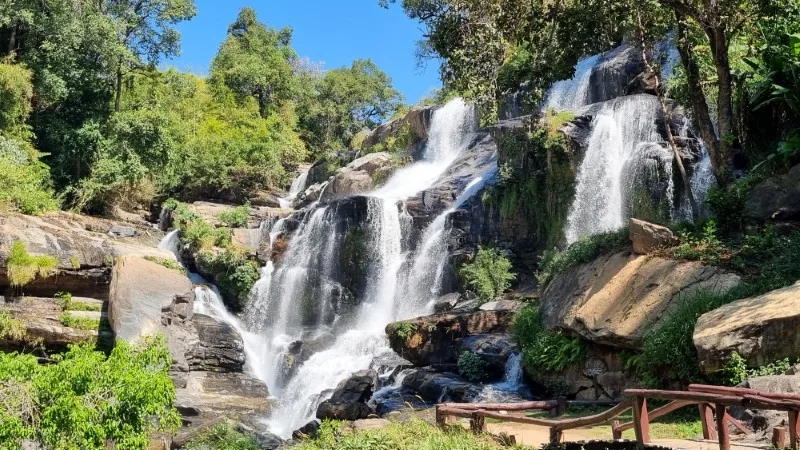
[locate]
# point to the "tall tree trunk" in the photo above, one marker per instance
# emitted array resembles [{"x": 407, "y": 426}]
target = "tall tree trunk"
[
  {"x": 701, "y": 116},
  {"x": 725, "y": 118},
  {"x": 118, "y": 99},
  {"x": 687, "y": 185}
]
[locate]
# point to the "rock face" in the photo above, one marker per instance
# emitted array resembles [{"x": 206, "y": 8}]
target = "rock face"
[
  {"x": 776, "y": 199},
  {"x": 435, "y": 339},
  {"x": 215, "y": 394},
  {"x": 140, "y": 290},
  {"x": 647, "y": 237},
  {"x": 417, "y": 120},
  {"x": 761, "y": 330},
  {"x": 83, "y": 246},
  {"x": 219, "y": 348},
  {"x": 610, "y": 78},
  {"x": 493, "y": 348},
  {"x": 349, "y": 400},
  {"x": 359, "y": 176},
  {"x": 617, "y": 298}
]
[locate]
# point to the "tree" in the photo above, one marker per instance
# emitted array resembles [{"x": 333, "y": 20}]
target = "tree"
[
  {"x": 255, "y": 61},
  {"x": 146, "y": 33},
  {"x": 345, "y": 101}
]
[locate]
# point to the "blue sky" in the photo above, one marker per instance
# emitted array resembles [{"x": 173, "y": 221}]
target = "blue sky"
[{"x": 334, "y": 32}]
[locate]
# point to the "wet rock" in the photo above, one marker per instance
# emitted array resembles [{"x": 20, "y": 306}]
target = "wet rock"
[
  {"x": 644, "y": 83},
  {"x": 307, "y": 431},
  {"x": 210, "y": 395},
  {"x": 360, "y": 176},
  {"x": 776, "y": 198},
  {"x": 648, "y": 237},
  {"x": 465, "y": 306},
  {"x": 446, "y": 302},
  {"x": 617, "y": 298},
  {"x": 265, "y": 198},
  {"x": 310, "y": 195},
  {"x": 760, "y": 329},
  {"x": 434, "y": 339},
  {"x": 219, "y": 348},
  {"x": 349, "y": 400},
  {"x": 611, "y": 77},
  {"x": 436, "y": 387},
  {"x": 493, "y": 348},
  {"x": 120, "y": 231}
]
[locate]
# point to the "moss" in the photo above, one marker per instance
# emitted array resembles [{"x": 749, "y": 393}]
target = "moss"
[
  {"x": 168, "y": 263},
  {"x": 24, "y": 268},
  {"x": 74, "y": 262}
]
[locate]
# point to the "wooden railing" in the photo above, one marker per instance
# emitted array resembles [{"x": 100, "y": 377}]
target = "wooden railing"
[{"x": 712, "y": 401}]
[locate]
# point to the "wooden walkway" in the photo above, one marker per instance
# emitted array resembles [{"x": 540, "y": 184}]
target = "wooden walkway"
[{"x": 712, "y": 403}]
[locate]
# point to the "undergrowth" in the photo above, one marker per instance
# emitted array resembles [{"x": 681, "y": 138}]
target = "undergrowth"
[
  {"x": 543, "y": 349},
  {"x": 554, "y": 262},
  {"x": 236, "y": 217},
  {"x": 24, "y": 268},
  {"x": 472, "y": 366},
  {"x": 489, "y": 275},
  {"x": 223, "y": 437}
]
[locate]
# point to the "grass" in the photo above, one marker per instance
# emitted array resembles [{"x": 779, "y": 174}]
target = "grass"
[
  {"x": 11, "y": 328},
  {"x": 24, "y": 268},
  {"x": 412, "y": 434},
  {"x": 79, "y": 323},
  {"x": 555, "y": 262},
  {"x": 168, "y": 263}
]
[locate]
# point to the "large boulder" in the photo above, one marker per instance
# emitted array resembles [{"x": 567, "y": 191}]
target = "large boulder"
[
  {"x": 417, "y": 121},
  {"x": 349, "y": 400},
  {"x": 435, "y": 387},
  {"x": 612, "y": 75},
  {"x": 435, "y": 339},
  {"x": 615, "y": 299},
  {"x": 360, "y": 176},
  {"x": 208, "y": 395},
  {"x": 760, "y": 329},
  {"x": 776, "y": 199},
  {"x": 647, "y": 237},
  {"x": 140, "y": 291},
  {"x": 493, "y": 348}
]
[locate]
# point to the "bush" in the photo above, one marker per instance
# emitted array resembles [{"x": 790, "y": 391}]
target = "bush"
[
  {"x": 79, "y": 323},
  {"x": 472, "y": 366},
  {"x": 489, "y": 274},
  {"x": 542, "y": 349},
  {"x": 24, "y": 268},
  {"x": 236, "y": 217},
  {"x": 412, "y": 434},
  {"x": 25, "y": 187},
  {"x": 223, "y": 437},
  {"x": 11, "y": 328},
  {"x": 234, "y": 274},
  {"x": 86, "y": 400},
  {"x": 736, "y": 371},
  {"x": 555, "y": 262}
]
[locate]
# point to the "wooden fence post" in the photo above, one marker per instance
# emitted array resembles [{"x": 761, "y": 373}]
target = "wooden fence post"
[
  {"x": 556, "y": 435},
  {"x": 779, "y": 438},
  {"x": 707, "y": 421},
  {"x": 615, "y": 431},
  {"x": 792, "y": 425},
  {"x": 477, "y": 422},
  {"x": 641, "y": 422},
  {"x": 722, "y": 427},
  {"x": 441, "y": 418}
]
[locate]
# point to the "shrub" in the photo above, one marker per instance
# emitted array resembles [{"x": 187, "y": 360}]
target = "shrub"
[
  {"x": 236, "y": 217},
  {"x": 86, "y": 400},
  {"x": 11, "y": 328},
  {"x": 168, "y": 263},
  {"x": 64, "y": 299},
  {"x": 223, "y": 437},
  {"x": 403, "y": 330},
  {"x": 79, "y": 323},
  {"x": 736, "y": 370},
  {"x": 234, "y": 274},
  {"x": 25, "y": 187},
  {"x": 542, "y": 349},
  {"x": 472, "y": 366},
  {"x": 555, "y": 262},
  {"x": 411, "y": 434},
  {"x": 728, "y": 204},
  {"x": 489, "y": 274},
  {"x": 24, "y": 268}
]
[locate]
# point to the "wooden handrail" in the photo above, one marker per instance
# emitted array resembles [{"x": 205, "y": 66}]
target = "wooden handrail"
[
  {"x": 658, "y": 412},
  {"x": 522, "y": 406},
  {"x": 726, "y": 390}
]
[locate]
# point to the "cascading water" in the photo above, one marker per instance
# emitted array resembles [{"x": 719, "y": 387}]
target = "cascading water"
[
  {"x": 298, "y": 185},
  {"x": 304, "y": 299},
  {"x": 511, "y": 388},
  {"x": 572, "y": 93}
]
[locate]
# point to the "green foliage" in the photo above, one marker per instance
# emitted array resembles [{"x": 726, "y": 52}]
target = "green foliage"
[
  {"x": 79, "y": 323},
  {"x": 542, "y": 349},
  {"x": 64, "y": 299},
  {"x": 25, "y": 188},
  {"x": 489, "y": 274},
  {"x": 472, "y": 366},
  {"x": 554, "y": 262},
  {"x": 24, "y": 268},
  {"x": 236, "y": 217},
  {"x": 86, "y": 399},
  {"x": 16, "y": 93},
  {"x": 11, "y": 329},
  {"x": 403, "y": 330},
  {"x": 415, "y": 433},
  {"x": 168, "y": 263},
  {"x": 728, "y": 203},
  {"x": 223, "y": 437},
  {"x": 234, "y": 274},
  {"x": 704, "y": 246},
  {"x": 736, "y": 370}
]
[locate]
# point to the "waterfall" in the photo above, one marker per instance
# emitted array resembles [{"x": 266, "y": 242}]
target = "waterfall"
[
  {"x": 510, "y": 388},
  {"x": 172, "y": 242},
  {"x": 572, "y": 93},
  {"x": 301, "y": 298},
  {"x": 298, "y": 186}
]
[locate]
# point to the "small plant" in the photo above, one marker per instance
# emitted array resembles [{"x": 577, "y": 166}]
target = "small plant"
[
  {"x": 74, "y": 262},
  {"x": 404, "y": 330},
  {"x": 472, "y": 366},
  {"x": 704, "y": 246},
  {"x": 543, "y": 349},
  {"x": 168, "y": 263},
  {"x": 489, "y": 274},
  {"x": 223, "y": 437},
  {"x": 736, "y": 371},
  {"x": 24, "y": 268},
  {"x": 65, "y": 300},
  {"x": 11, "y": 328},
  {"x": 555, "y": 262},
  {"x": 233, "y": 272},
  {"x": 79, "y": 323},
  {"x": 236, "y": 217}
]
